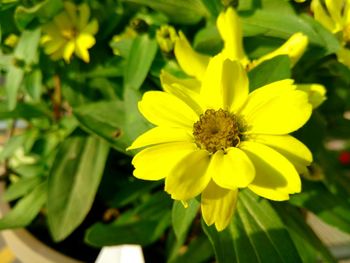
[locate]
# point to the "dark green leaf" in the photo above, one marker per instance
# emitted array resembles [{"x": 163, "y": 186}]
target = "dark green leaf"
[
  {"x": 183, "y": 217},
  {"x": 208, "y": 40},
  {"x": 178, "y": 11},
  {"x": 198, "y": 250},
  {"x": 139, "y": 61},
  {"x": 24, "y": 111},
  {"x": 117, "y": 122},
  {"x": 141, "y": 232},
  {"x": 256, "y": 234},
  {"x": 143, "y": 225},
  {"x": 25, "y": 209},
  {"x": 329, "y": 207},
  {"x": 42, "y": 11},
  {"x": 309, "y": 246},
  {"x": 73, "y": 182},
  {"x": 277, "y": 68}
]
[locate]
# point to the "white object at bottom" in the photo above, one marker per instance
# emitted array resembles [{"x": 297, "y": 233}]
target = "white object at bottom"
[{"x": 121, "y": 254}]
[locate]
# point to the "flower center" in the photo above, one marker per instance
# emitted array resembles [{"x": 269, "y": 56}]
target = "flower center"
[
  {"x": 217, "y": 130},
  {"x": 69, "y": 33}
]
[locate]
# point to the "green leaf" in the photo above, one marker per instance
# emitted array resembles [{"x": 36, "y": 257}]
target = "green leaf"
[
  {"x": 141, "y": 232},
  {"x": 331, "y": 208},
  {"x": 213, "y": 7},
  {"x": 73, "y": 182},
  {"x": 13, "y": 79},
  {"x": 277, "y": 68},
  {"x": 144, "y": 225},
  {"x": 183, "y": 217},
  {"x": 116, "y": 121},
  {"x": 197, "y": 251},
  {"x": 15, "y": 143},
  {"x": 178, "y": 11},
  {"x": 25, "y": 209},
  {"x": 24, "y": 111},
  {"x": 262, "y": 20},
  {"x": 142, "y": 53},
  {"x": 21, "y": 188},
  {"x": 309, "y": 246},
  {"x": 27, "y": 47},
  {"x": 256, "y": 234},
  {"x": 208, "y": 40},
  {"x": 33, "y": 84},
  {"x": 43, "y": 12}
]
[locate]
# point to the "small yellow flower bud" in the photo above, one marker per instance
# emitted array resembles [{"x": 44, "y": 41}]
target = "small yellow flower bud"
[
  {"x": 11, "y": 40},
  {"x": 166, "y": 37}
]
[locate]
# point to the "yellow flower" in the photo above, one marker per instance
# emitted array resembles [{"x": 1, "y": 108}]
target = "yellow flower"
[
  {"x": 215, "y": 139},
  {"x": 70, "y": 32},
  {"x": 334, "y": 15}
]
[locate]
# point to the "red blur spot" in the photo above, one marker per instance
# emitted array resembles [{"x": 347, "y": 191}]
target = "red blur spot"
[{"x": 344, "y": 158}]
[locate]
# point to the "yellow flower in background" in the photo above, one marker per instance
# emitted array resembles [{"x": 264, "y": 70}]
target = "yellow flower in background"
[
  {"x": 11, "y": 40},
  {"x": 219, "y": 139},
  {"x": 70, "y": 33},
  {"x": 335, "y": 16}
]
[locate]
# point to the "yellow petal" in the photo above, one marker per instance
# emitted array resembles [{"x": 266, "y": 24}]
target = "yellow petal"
[
  {"x": 91, "y": 28},
  {"x": 316, "y": 93},
  {"x": 83, "y": 43},
  {"x": 68, "y": 51},
  {"x": 225, "y": 84},
  {"x": 52, "y": 46},
  {"x": 229, "y": 26},
  {"x": 157, "y": 162},
  {"x": 164, "y": 109},
  {"x": 275, "y": 176},
  {"x": 294, "y": 47},
  {"x": 159, "y": 135},
  {"x": 232, "y": 169},
  {"x": 189, "y": 178},
  {"x": 343, "y": 56},
  {"x": 276, "y": 113},
  {"x": 71, "y": 10},
  {"x": 218, "y": 205},
  {"x": 190, "y": 83},
  {"x": 191, "y": 62},
  {"x": 52, "y": 31},
  {"x": 63, "y": 21},
  {"x": 294, "y": 150},
  {"x": 182, "y": 89},
  {"x": 335, "y": 8},
  {"x": 321, "y": 16},
  {"x": 84, "y": 15},
  {"x": 57, "y": 54}
]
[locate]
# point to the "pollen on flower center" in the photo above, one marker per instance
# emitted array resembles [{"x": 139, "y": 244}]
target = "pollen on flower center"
[{"x": 216, "y": 130}]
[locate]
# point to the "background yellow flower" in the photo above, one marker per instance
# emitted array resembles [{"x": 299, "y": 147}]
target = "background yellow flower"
[{"x": 70, "y": 32}]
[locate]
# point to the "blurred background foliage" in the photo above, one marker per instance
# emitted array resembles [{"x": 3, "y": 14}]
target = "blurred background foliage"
[{"x": 66, "y": 127}]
